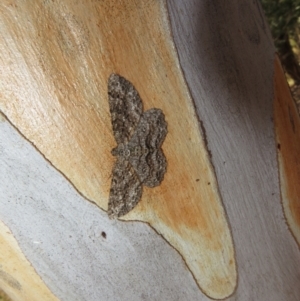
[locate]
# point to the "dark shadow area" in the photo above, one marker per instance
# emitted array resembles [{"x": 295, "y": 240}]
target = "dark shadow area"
[{"x": 283, "y": 18}]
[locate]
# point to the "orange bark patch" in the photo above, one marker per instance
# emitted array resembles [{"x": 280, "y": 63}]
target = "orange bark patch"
[
  {"x": 287, "y": 127},
  {"x": 54, "y": 90}
]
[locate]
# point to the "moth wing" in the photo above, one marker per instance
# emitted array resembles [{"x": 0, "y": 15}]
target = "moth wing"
[
  {"x": 157, "y": 128},
  {"x": 157, "y": 162},
  {"x": 149, "y": 162},
  {"x": 125, "y": 191},
  {"x": 125, "y": 107}
]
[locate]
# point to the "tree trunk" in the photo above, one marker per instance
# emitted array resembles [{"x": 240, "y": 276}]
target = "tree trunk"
[{"x": 215, "y": 227}]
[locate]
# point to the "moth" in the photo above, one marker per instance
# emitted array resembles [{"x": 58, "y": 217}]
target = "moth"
[{"x": 139, "y": 136}]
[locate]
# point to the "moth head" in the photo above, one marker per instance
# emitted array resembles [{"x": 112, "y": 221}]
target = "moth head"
[{"x": 121, "y": 150}]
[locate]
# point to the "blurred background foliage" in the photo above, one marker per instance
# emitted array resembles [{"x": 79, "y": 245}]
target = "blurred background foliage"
[
  {"x": 284, "y": 20},
  {"x": 3, "y": 296}
]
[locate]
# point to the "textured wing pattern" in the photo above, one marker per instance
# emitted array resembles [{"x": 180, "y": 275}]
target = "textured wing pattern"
[
  {"x": 146, "y": 157},
  {"x": 125, "y": 107},
  {"x": 140, "y": 160},
  {"x": 125, "y": 191}
]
